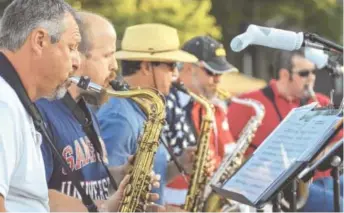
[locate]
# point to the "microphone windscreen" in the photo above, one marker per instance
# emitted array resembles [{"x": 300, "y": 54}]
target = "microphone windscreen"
[
  {"x": 269, "y": 37},
  {"x": 318, "y": 57}
]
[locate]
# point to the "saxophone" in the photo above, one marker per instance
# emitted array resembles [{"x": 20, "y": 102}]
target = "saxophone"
[
  {"x": 230, "y": 164},
  {"x": 198, "y": 176},
  {"x": 152, "y": 102}
]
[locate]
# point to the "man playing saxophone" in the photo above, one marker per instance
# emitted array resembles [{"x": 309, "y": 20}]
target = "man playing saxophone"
[
  {"x": 148, "y": 57},
  {"x": 99, "y": 63},
  {"x": 184, "y": 115},
  {"x": 293, "y": 88}
]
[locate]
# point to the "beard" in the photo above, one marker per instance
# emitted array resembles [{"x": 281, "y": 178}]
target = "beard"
[
  {"x": 94, "y": 98},
  {"x": 59, "y": 92}
]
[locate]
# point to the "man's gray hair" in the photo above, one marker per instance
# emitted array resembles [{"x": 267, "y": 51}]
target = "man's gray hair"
[{"x": 21, "y": 17}]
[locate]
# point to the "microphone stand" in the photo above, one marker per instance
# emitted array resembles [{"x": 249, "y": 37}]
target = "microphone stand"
[
  {"x": 328, "y": 45},
  {"x": 331, "y": 160}
]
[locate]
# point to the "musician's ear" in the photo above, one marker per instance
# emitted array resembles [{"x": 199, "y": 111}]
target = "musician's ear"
[
  {"x": 187, "y": 68},
  {"x": 283, "y": 74},
  {"x": 146, "y": 68}
]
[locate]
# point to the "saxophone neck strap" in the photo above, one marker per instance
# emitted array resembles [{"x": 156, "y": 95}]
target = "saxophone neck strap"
[{"x": 83, "y": 115}]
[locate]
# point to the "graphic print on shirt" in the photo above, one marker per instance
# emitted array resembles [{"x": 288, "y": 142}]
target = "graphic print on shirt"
[
  {"x": 79, "y": 156},
  {"x": 83, "y": 154}
]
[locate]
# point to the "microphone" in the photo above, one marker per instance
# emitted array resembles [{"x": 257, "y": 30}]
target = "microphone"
[
  {"x": 281, "y": 39},
  {"x": 269, "y": 37}
]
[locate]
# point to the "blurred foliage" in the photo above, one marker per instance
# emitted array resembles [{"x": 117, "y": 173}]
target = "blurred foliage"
[
  {"x": 324, "y": 17},
  {"x": 223, "y": 19},
  {"x": 190, "y": 17}
]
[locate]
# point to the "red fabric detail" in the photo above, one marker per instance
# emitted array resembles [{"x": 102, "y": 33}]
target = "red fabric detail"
[
  {"x": 224, "y": 137},
  {"x": 238, "y": 115}
]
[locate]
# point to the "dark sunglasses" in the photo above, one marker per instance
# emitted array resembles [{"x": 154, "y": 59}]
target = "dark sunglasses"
[
  {"x": 305, "y": 73},
  {"x": 171, "y": 65}
]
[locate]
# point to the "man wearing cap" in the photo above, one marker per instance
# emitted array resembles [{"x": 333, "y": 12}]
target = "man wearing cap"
[
  {"x": 148, "y": 58},
  {"x": 184, "y": 115}
]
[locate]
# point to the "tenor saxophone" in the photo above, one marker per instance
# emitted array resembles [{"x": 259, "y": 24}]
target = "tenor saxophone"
[
  {"x": 230, "y": 164},
  {"x": 152, "y": 102},
  {"x": 198, "y": 176}
]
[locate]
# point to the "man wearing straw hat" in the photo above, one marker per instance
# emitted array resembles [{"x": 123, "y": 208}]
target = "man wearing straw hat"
[{"x": 148, "y": 58}]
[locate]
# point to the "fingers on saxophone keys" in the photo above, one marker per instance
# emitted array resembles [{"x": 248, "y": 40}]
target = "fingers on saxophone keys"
[
  {"x": 210, "y": 167},
  {"x": 124, "y": 183},
  {"x": 210, "y": 155},
  {"x": 155, "y": 180},
  {"x": 152, "y": 197},
  {"x": 151, "y": 207},
  {"x": 131, "y": 159}
]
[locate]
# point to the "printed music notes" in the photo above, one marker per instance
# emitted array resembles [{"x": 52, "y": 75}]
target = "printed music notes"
[{"x": 295, "y": 140}]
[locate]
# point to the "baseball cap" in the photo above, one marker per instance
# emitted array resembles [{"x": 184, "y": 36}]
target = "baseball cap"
[{"x": 210, "y": 53}]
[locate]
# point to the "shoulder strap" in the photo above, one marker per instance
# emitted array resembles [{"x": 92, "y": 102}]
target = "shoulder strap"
[
  {"x": 189, "y": 117},
  {"x": 269, "y": 93},
  {"x": 84, "y": 117},
  {"x": 9, "y": 74}
]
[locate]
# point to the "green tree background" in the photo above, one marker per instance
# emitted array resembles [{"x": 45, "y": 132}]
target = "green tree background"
[
  {"x": 189, "y": 17},
  {"x": 224, "y": 19}
]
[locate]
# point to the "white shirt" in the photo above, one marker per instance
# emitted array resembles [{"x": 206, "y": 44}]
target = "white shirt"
[{"x": 22, "y": 173}]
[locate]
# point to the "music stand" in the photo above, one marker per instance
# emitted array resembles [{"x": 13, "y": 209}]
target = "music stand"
[{"x": 249, "y": 194}]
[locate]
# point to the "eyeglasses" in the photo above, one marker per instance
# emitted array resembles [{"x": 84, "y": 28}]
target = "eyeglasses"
[
  {"x": 171, "y": 65},
  {"x": 305, "y": 73}
]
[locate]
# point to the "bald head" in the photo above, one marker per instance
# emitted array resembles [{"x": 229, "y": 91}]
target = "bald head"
[{"x": 92, "y": 28}]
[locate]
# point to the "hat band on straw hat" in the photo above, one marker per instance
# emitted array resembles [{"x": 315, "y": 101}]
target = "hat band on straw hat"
[{"x": 151, "y": 52}]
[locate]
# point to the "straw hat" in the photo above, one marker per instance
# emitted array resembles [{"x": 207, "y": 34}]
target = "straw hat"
[{"x": 152, "y": 42}]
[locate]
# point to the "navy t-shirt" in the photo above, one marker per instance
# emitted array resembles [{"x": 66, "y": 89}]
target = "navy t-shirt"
[{"x": 76, "y": 149}]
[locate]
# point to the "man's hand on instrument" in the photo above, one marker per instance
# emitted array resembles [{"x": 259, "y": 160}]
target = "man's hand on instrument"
[
  {"x": 118, "y": 172},
  {"x": 187, "y": 158},
  {"x": 152, "y": 207},
  {"x": 113, "y": 203},
  {"x": 210, "y": 164}
]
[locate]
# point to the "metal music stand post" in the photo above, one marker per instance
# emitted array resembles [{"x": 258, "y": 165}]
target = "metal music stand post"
[{"x": 331, "y": 160}]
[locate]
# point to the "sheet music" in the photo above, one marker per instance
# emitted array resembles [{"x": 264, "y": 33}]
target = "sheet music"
[{"x": 299, "y": 133}]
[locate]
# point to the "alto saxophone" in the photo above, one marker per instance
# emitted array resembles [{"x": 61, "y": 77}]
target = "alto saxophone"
[
  {"x": 230, "y": 164},
  {"x": 198, "y": 176},
  {"x": 152, "y": 102}
]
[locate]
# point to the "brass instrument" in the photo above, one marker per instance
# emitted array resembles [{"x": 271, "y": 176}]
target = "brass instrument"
[
  {"x": 230, "y": 164},
  {"x": 311, "y": 93},
  {"x": 198, "y": 176},
  {"x": 152, "y": 102}
]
